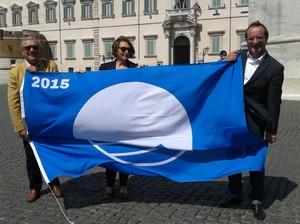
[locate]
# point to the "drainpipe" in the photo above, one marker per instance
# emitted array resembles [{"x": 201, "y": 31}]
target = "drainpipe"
[
  {"x": 59, "y": 30},
  {"x": 230, "y": 26},
  {"x": 139, "y": 31}
]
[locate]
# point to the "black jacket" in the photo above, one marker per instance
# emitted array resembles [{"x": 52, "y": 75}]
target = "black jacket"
[
  {"x": 263, "y": 95},
  {"x": 112, "y": 65}
]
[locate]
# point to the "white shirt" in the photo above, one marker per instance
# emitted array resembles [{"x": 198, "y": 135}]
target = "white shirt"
[
  {"x": 27, "y": 64},
  {"x": 251, "y": 66}
]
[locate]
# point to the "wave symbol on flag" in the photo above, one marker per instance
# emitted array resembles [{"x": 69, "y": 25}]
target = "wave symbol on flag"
[{"x": 149, "y": 157}]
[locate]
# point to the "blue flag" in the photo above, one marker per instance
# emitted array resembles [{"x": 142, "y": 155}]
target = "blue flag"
[{"x": 186, "y": 123}]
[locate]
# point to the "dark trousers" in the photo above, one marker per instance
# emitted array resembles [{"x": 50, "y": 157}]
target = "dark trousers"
[
  {"x": 111, "y": 178},
  {"x": 33, "y": 170},
  {"x": 256, "y": 183},
  {"x": 256, "y": 126}
]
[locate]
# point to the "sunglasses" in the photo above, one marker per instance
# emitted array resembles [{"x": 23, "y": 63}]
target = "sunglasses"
[
  {"x": 34, "y": 47},
  {"x": 124, "y": 49}
]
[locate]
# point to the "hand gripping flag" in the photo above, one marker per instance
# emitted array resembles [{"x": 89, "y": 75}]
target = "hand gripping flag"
[{"x": 185, "y": 123}]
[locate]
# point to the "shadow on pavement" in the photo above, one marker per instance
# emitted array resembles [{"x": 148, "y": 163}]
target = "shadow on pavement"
[
  {"x": 277, "y": 188},
  {"x": 88, "y": 190}
]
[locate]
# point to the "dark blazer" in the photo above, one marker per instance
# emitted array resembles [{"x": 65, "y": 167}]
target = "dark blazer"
[
  {"x": 263, "y": 95},
  {"x": 112, "y": 65}
]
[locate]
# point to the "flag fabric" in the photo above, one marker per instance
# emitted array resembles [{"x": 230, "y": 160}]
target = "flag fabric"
[{"x": 186, "y": 123}]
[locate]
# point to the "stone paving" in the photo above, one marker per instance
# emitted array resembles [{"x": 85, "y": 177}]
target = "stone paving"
[{"x": 152, "y": 200}]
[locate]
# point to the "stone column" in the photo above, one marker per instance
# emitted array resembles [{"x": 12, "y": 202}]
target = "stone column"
[
  {"x": 192, "y": 48},
  {"x": 282, "y": 19},
  {"x": 168, "y": 35}
]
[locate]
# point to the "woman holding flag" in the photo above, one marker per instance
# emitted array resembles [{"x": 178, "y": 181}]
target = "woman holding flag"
[{"x": 122, "y": 50}]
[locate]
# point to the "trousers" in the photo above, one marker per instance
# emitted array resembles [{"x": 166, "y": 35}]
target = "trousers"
[
  {"x": 111, "y": 178},
  {"x": 33, "y": 170}
]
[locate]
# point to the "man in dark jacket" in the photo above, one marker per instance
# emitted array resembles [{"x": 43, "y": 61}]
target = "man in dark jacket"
[{"x": 263, "y": 78}]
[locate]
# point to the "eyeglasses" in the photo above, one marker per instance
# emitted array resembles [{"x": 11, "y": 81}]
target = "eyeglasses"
[
  {"x": 124, "y": 49},
  {"x": 34, "y": 47}
]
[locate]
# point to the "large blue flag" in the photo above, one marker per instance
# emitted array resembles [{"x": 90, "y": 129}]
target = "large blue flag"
[{"x": 186, "y": 123}]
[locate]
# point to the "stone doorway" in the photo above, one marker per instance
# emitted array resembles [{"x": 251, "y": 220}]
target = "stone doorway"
[{"x": 181, "y": 50}]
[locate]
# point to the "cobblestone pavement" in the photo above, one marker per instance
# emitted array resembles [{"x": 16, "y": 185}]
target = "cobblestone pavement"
[{"x": 152, "y": 200}]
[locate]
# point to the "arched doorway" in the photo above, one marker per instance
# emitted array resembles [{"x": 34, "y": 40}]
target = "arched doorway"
[{"x": 181, "y": 50}]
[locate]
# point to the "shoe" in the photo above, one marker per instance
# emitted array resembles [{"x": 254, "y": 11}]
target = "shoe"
[
  {"x": 108, "y": 194},
  {"x": 32, "y": 195},
  {"x": 230, "y": 202},
  {"x": 57, "y": 191},
  {"x": 123, "y": 192},
  {"x": 258, "y": 211}
]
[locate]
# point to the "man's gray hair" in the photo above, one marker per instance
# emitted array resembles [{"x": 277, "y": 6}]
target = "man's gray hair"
[{"x": 32, "y": 37}]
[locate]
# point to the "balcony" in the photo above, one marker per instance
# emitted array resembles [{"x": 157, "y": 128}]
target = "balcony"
[{"x": 188, "y": 14}]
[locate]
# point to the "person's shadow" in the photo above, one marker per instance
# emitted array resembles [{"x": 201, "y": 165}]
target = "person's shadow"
[{"x": 89, "y": 189}]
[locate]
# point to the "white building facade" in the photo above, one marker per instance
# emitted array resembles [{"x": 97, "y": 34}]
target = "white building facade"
[{"x": 80, "y": 32}]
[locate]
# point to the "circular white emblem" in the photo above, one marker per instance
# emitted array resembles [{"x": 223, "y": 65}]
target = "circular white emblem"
[{"x": 137, "y": 114}]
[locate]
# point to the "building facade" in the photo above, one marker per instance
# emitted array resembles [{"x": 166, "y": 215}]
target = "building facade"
[{"x": 80, "y": 32}]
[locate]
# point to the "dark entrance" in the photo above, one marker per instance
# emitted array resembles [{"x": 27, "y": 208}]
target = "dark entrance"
[{"x": 181, "y": 50}]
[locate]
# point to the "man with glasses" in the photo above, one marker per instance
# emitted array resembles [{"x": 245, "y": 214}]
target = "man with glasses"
[
  {"x": 31, "y": 48},
  {"x": 263, "y": 78}
]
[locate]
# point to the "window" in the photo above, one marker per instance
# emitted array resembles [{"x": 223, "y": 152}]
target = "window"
[
  {"x": 107, "y": 8},
  {"x": 86, "y": 9},
  {"x": 87, "y": 48},
  {"x": 52, "y": 49},
  {"x": 68, "y": 10},
  {"x": 16, "y": 15},
  {"x": 50, "y": 15},
  {"x": 70, "y": 69},
  {"x": 182, "y": 4},
  {"x": 150, "y": 7},
  {"x": 128, "y": 8},
  {"x": 13, "y": 61},
  {"x": 150, "y": 42},
  {"x": 50, "y": 7},
  {"x": 32, "y": 13},
  {"x": 241, "y": 37},
  {"x": 32, "y": 17},
  {"x": 215, "y": 42},
  {"x": 17, "y": 19},
  {"x": 69, "y": 13},
  {"x": 216, "y": 4},
  {"x": 107, "y": 47},
  {"x": 70, "y": 49},
  {"x": 244, "y": 2},
  {"x": 88, "y": 69},
  {"x": 3, "y": 17}
]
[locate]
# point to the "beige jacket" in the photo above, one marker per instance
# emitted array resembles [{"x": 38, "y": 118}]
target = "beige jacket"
[{"x": 16, "y": 75}]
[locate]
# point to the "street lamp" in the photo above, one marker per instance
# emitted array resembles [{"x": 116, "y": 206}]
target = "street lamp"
[{"x": 204, "y": 52}]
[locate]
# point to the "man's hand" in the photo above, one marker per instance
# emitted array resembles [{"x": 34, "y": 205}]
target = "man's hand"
[
  {"x": 231, "y": 56},
  {"x": 32, "y": 68},
  {"x": 271, "y": 138},
  {"x": 24, "y": 134}
]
